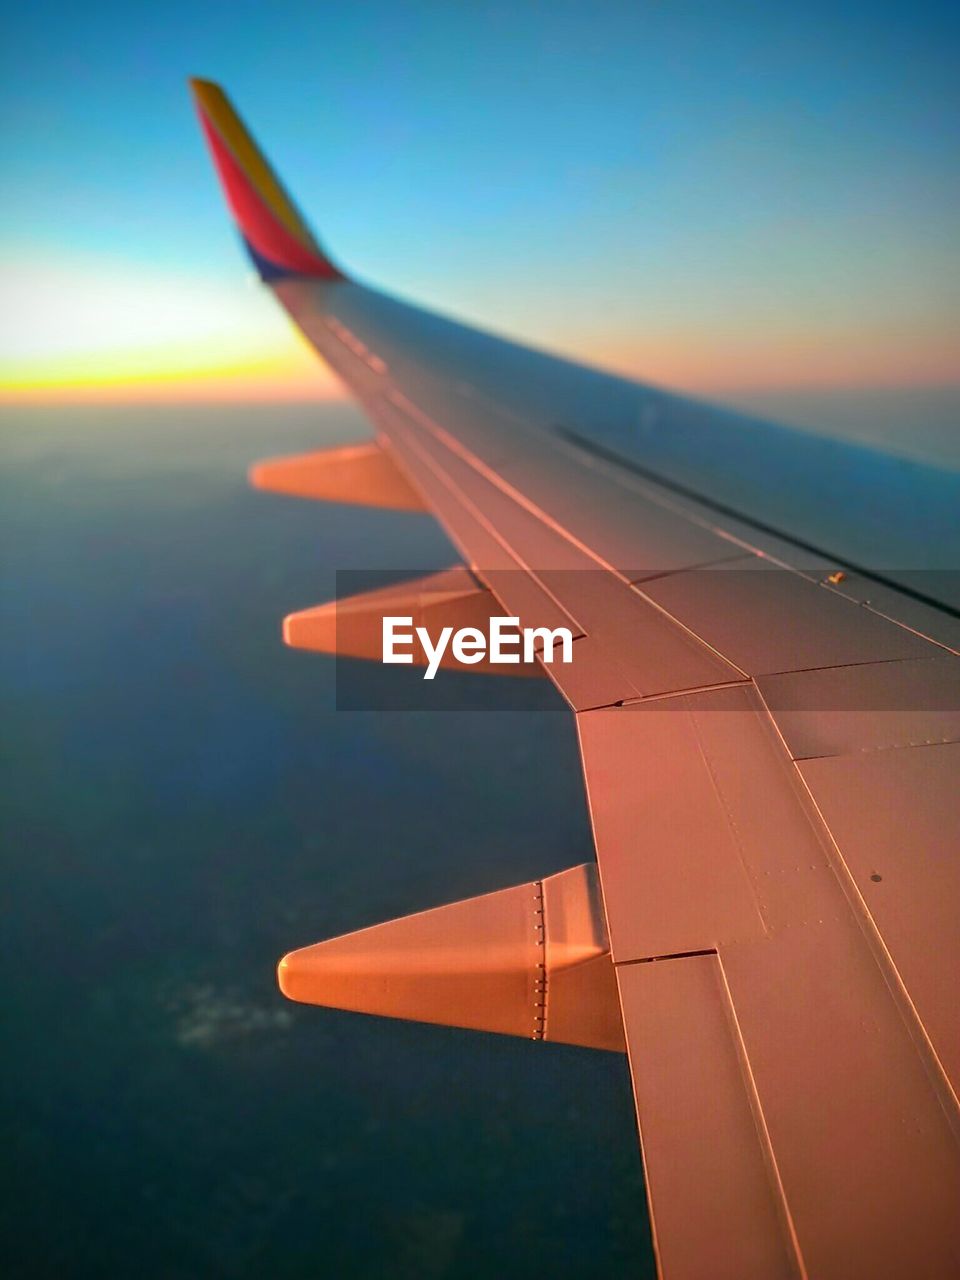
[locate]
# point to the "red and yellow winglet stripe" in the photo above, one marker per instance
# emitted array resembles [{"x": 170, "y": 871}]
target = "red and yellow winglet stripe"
[{"x": 275, "y": 234}]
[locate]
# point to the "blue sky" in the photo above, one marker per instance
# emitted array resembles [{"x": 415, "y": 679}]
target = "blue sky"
[{"x": 707, "y": 193}]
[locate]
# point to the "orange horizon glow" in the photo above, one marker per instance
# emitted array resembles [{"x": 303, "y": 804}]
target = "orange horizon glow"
[
  {"x": 90, "y": 330},
  {"x": 292, "y": 377},
  {"x": 677, "y": 362},
  {"x": 807, "y": 362}
]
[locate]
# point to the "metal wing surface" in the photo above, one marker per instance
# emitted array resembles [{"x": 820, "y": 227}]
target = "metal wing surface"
[{"x": 766, "y": 689}]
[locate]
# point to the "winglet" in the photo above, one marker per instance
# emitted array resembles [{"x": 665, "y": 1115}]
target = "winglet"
[{"x": 273, "y": 230}]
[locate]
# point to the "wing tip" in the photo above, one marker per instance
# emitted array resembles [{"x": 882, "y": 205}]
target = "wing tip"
[{"x": 273, "y": 230}]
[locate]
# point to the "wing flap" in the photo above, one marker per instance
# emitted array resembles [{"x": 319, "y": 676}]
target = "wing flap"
[
  {"x": 707, "y": 843},
  {"x": 902, "y": 859},
  {"x": 715, "y": 1199}
]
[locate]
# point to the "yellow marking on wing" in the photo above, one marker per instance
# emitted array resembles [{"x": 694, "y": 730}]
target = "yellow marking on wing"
[{"x": 221, "y": 114}]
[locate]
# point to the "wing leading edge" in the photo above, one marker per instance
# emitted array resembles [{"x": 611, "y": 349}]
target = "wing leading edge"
[{"x": 768, "y": 703}]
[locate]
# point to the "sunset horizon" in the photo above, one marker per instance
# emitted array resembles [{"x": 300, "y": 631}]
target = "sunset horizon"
[{"x": 712, "y": 222}]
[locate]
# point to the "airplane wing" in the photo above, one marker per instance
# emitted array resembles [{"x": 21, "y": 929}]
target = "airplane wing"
[{"x": 766, "y": 688}]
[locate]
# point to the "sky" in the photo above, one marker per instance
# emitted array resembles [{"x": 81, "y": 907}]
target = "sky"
[{"x": 717, "y": 196}]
